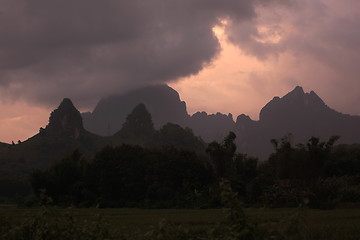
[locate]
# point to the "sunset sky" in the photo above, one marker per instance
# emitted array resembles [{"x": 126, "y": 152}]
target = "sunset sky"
[{"x": 220, "y": 55}]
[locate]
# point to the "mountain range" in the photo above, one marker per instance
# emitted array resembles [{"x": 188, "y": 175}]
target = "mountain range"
[
  {"x": 65, "y": 133},
  {"x": 161, "y": 101},
  {"x": 164, "y": 105},
  {"x": 300, "y": 114},
  {"x": 155, "y": 116}
]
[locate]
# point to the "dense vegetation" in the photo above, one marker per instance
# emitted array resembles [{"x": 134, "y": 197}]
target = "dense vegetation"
[
  {"x": 127, "y": 176},
  {"x": 318, "y": 173}
]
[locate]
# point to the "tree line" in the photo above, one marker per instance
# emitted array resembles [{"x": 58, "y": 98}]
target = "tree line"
[{"x": 316, "y": 173}]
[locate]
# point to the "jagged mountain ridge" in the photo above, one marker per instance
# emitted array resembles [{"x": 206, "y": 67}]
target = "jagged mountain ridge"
[
  {"x": 65, "y": 133},
  {"x": 164, "y": 105},
  {"x": 302, "y": 114},
  {"x": 211, "y": 126},
  {"x": 299, "y": 113},
  {"x": 162, "y": 102}
]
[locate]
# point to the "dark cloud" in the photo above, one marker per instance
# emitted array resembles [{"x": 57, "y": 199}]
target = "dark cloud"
[{"x": 86, "y": 49}]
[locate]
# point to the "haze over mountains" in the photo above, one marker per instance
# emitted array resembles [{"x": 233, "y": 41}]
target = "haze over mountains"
[
  {"x": 110, "y": 113},
  {"x": 298, "y": 113},
  {"x": 164, "y": 105}
]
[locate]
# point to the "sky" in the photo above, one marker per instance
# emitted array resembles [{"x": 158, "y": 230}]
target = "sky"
[{"x": 221, "y": 56}]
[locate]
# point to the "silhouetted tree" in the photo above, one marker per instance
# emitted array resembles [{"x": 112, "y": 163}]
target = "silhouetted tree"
[{"x": 222, "y": 154}]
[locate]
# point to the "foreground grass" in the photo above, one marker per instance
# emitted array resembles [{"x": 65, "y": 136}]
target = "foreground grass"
[{"x": 336, "y": 224}]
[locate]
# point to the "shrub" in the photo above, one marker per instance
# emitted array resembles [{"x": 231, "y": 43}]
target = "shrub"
[{"x": 50, "y": 224}]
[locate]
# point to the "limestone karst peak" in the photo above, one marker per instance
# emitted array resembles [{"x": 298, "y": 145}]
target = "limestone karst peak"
[{"x": 66, "y": 120}]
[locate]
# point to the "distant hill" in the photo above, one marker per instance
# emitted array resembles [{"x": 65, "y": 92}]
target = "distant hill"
[
  {"x": 211, "y": 126},
  {"x": 298, "y": 113},
  {"x": 138, "y": 129},
  {"x": 63, "y": 134},
  {"x": 161, "y": 101},
  {"x": 164, "y": 105}
]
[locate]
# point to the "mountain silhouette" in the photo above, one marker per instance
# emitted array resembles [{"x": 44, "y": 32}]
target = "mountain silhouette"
[
  {"x": 63, "y": 134},
  {"x": 110, "y": 113},
  {"x": 300, "y": 114},
  {"x": 66, "y": 120},
  {"x": 164, "y": 105},
  {"x": 138, "y": 127},
  {"x": 211, "y": 126}
]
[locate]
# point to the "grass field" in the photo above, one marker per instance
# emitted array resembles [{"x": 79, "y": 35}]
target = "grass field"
[{"x": 331, "y": 224}]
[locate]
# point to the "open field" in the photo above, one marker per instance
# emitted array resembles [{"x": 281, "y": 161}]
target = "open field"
[{"x": 331, "y": 224}]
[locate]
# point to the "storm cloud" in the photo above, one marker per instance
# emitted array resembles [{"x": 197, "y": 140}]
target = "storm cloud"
[{"x": 87, "y": 49}]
